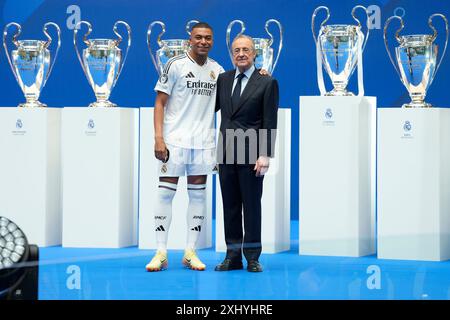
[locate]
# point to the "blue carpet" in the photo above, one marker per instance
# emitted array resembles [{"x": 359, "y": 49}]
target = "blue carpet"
[{"x": 67, "y": 273}]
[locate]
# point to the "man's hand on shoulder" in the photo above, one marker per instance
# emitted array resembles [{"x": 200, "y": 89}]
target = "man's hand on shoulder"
[{"x": 264, "y": 72}]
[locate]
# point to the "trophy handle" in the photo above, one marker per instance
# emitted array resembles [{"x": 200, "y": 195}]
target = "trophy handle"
[
  {"x": 47, "y": 44},
  {"x": 430, "y": 23},
  {"x": 313, "y": 19},
  {"x": 85, "y": 40},
  {"x": 359, "y": 23},
  {"x": 118, "y": 41},
  {"x": 188, "y": 26},
  {"x": 319, "y": 56},
  {"x": 230, "y": 26},
  {"x": 271, "y": 38},
  {"x": 397, "y": 37},
  {"x": 149, "y": 31},
  {"x": 15, "y": 42}
]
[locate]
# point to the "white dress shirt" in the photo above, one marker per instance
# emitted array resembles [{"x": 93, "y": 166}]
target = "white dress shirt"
[{"x": 247, "y": 75}]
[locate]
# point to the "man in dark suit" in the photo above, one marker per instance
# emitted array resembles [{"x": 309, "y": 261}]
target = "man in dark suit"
[{"x": 248, "y": 102}]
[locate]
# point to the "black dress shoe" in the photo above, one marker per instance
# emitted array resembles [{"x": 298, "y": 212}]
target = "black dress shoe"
[
  {"x": 228, "y": 265},
  {"x": 254, "y": 266}
]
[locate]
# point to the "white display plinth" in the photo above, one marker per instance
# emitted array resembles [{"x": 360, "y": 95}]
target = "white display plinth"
[
  {"x": 148, "y": 196},
  {"x": 30, "y": 184},
  {"x": 337, "y": 176},
  {"x": 414, "y": 184},
  {"x": 275, "y": 202},
  {"x": 99, "y": 154}
]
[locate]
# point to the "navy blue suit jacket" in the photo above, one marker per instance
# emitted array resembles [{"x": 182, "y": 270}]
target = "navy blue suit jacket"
[{"x": 257, "y": 109}]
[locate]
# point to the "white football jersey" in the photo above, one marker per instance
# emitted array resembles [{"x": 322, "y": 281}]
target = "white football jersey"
[{"x": 189, "y": 113}]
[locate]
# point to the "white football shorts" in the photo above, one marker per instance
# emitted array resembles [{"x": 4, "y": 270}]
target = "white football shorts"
[{"x": 188, "y": 162}]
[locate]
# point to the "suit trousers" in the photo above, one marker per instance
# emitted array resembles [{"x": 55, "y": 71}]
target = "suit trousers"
[{"x": 241, "y": 189}]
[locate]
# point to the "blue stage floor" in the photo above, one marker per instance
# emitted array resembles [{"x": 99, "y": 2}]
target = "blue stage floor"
[{"x": 67, "y": 273}]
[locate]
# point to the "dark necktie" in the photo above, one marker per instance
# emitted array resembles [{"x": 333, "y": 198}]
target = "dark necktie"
[{"x": 237, "y": 92}]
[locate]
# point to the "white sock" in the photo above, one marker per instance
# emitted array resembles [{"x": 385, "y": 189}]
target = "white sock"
[
  {"x": 163, "y": 213},
  {"x": 196, "y": 213}
]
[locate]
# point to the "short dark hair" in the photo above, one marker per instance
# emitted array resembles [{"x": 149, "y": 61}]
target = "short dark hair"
[{"x": 202, "y": 25}]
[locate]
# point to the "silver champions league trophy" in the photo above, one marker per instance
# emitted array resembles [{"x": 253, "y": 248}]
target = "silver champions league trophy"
[
  {"x": 102, "y": 62},
  {"x": 167, "y": 48},
  {"x": 263, "y": 46},
  {"x": 30, "y": 62},
  {"x": 339, "y": 49},
  {"x": 416, "y": 57}
]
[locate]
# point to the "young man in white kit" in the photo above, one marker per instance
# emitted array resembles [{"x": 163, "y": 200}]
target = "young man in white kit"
[{"x": 185, "y": 140}]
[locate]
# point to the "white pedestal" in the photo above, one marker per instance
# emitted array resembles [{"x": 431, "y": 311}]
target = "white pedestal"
[
  {"x": 337, "y": 176},
  {"x": 275, "y": 202},
  {"x": 99, "y": 152},
  {"x": 414, "y": 184},
  {"x": 30, "y": 187},
  {"x": 148, "y": 196}
]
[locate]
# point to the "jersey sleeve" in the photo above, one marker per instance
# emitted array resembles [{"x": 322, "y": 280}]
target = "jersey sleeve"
[{"x": 167, "y": 79}]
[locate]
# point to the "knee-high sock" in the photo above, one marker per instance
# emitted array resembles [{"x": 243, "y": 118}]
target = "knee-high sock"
[
  {"x": 163, "y": 213},
  {"x": 196, "y": 213}
]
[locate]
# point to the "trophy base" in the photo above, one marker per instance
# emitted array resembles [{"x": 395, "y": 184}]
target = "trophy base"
[
  {"x": 417, "y": 105},
  {"x": 339, "y": 93},
  {"x": 34, "y": 104},
  {"x": 102, "y": 104}
]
